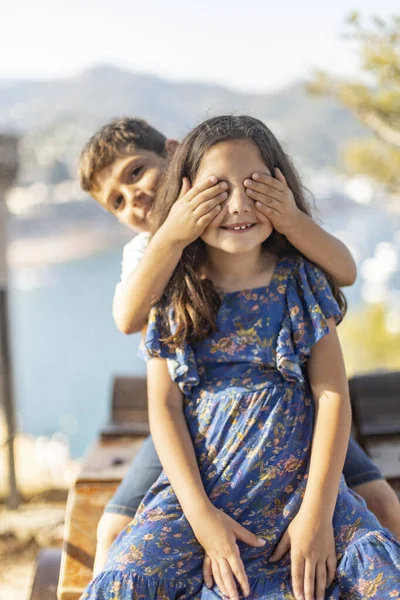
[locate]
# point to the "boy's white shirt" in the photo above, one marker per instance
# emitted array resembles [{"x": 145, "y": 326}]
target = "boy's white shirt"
[{"x": 132, "y": 254}]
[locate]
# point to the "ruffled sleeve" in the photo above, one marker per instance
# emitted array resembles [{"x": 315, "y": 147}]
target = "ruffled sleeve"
[
  {"x": 181, "y": 361},
  {"x": 309, "y": 303}
]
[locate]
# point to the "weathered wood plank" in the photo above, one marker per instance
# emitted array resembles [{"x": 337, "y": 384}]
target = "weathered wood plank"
[
  {"x": 109, "y": 458},
  {"x": 105, "y": 465},
  {"x": 84, "y": 509}
]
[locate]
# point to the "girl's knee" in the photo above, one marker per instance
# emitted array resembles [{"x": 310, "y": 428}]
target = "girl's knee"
[{"x": 110, "y": 526}]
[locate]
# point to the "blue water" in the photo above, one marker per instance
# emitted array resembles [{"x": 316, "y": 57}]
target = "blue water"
[{"x": 66, "y": 348}]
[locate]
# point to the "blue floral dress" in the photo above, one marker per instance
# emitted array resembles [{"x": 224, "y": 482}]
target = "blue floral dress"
[{"x": 250, "y": 414}]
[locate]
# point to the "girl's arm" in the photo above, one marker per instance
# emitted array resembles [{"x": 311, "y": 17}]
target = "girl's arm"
[
  {"x": 189, "y": 216},
  {"x": 172, "y": 439},
  {"x": 310, "y": 535},
  {"x": 215, "y": 531},
  {"x": 274, "y": 199},
  {"x": 313, "y": 552},
  {"x": 327, "y": 376}
]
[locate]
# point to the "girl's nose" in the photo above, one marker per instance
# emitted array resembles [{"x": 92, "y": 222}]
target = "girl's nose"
[{"x": 239, "y": 202}]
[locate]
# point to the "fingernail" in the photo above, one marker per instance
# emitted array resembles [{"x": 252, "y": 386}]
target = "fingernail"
[
  {"x": 255, "y": 176},
  {"x": 213, "y": 179},
  {"x": 261, "y": 541},
  {"x": 247, "y": 182}
]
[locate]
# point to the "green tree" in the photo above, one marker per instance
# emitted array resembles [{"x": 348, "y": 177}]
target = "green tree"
[
  {"x": 367, "y": 342},
  {"x": 374, "y": 99}
]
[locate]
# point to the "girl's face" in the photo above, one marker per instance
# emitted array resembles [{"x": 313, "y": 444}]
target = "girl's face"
[{"x": 239, "y": 227}]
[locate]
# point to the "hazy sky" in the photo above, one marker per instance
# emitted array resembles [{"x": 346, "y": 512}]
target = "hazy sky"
[{"x": 247, "y": 44}]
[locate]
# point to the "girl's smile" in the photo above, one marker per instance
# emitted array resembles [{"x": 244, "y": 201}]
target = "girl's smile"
[{"x": 239, "y": 227}]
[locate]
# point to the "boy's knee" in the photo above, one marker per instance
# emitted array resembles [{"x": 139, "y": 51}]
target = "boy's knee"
[
  {"x": 110, "y": 526},
  {"x": 381, "y": 499}
]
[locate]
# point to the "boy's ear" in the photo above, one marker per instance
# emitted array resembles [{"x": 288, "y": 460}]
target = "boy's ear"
[{"x": 170, "y": 146}]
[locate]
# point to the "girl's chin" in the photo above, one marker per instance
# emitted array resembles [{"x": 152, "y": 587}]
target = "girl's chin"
[{"x": 232, "y": 248}]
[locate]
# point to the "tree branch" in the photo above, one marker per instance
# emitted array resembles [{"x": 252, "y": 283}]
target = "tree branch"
[{"x": 372, "y": 120}]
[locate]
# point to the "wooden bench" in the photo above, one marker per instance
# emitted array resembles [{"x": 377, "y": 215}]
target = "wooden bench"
[
  {"x": 375, "y": 400},
  {"x": 104, "y": 466}
]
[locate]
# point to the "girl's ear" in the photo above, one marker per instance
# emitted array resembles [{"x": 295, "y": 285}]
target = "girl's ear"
[{"x": 169, "y": 147}]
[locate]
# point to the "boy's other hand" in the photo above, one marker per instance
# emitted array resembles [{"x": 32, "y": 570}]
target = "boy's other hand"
[
  {"x": 274, "y": 199},
  {"x": 194, "y": 209}
]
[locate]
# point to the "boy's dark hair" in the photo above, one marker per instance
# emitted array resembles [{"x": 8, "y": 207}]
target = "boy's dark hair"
[{"x": 119, "y": 137}]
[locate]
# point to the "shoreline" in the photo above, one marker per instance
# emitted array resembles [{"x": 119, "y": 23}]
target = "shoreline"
[{"x": 68, "y": 246}]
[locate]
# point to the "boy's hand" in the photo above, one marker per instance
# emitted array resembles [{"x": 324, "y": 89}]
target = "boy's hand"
[
  {"x": 194, "y": 210},
  {"x": 313, "y": 555},
  {"x": 217, "y": 532},
  {"x": 274, "y": 199}
]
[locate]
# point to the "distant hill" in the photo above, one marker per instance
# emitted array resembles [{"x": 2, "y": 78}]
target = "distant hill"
[{"x": 63, "y": 113}]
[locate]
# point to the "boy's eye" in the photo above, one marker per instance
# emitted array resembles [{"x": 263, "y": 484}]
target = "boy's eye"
[
  {"x": 118, "y": 202},
  {"x": 136, "y": 172}
]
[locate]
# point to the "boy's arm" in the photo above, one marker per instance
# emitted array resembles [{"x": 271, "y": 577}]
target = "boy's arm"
[
  {"x": 274, "y": 199},
  {"x": 195, "y": 208},
  {"x": 136, "y": 294},
  {"x": 322, "y": 248}
]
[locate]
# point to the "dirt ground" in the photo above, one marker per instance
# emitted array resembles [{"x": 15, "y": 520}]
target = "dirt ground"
[
  {"x": 37, "y": 524},
  {"x": 44, "y": 473}
]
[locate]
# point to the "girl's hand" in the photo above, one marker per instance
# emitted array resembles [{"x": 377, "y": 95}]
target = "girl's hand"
[
  {"x": 274, "y": 199},
  {"x": 217, "y": 533},
  {"x": 313, "y": 556},
  {"x": 194, "y": 210}
]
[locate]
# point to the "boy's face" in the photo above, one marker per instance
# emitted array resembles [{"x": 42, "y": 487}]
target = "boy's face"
[{"x": 128, "y": 186}]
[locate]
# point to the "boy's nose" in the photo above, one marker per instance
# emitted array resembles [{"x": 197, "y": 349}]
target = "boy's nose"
[{"x": 135, "y": 197}]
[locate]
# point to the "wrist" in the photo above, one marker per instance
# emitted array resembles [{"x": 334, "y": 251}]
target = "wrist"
[
  {"x": 198, "y": 510},
  {"x": 317, "y": 508},
  {"x": 295, "y": 225},
  {"x": 168, "y": 239}
]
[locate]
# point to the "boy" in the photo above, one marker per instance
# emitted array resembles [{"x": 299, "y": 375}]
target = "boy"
[{"x": 120, "y": 168}]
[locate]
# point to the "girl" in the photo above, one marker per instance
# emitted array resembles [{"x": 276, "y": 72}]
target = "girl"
[{"x": 249, "y": 409}]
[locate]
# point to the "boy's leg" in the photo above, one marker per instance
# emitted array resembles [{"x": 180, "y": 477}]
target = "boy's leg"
[
  {"x": 108, "y": 529},
  {"x": 364, "y": 478},
  {"x": 382, "y": 500},
  {"x": 119, "y": 512}
]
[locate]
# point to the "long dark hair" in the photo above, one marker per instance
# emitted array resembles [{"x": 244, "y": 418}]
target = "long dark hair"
[{"x": 192, "y": 297}]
